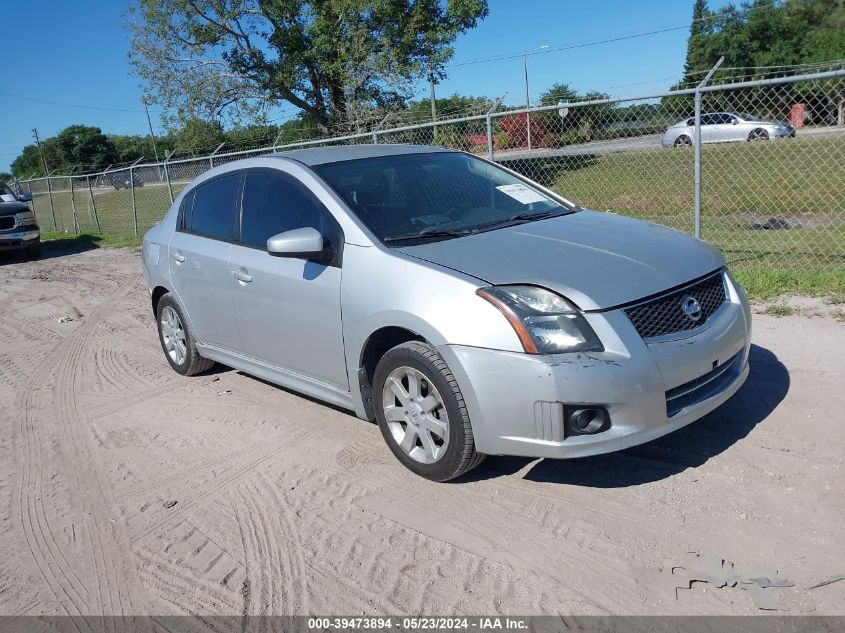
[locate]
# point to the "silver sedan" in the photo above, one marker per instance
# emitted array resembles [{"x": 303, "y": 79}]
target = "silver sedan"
[
  {"x": 725, "y": 127},
  {"x": 468, "y": 310}
]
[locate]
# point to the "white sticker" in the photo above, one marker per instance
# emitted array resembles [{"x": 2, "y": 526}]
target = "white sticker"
[
  {"x": 7, "y": 197},
  {"x": 522, "y": 193}
]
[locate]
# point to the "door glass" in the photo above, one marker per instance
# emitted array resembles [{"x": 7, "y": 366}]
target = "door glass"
[
  {"x": 275, "y": 202},
  {"x": 708, "y": 119},
  {"x": 213, "y": 214}
]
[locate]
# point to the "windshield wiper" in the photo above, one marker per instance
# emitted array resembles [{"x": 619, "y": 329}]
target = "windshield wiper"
[
  {"x": 520, "y": 217},
  {"x": 430, "y": 232}
]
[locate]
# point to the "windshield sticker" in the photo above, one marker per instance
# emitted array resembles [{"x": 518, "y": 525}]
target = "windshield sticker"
[
  {"x": 522, "y": 193},
  {"x": 7, "y": 197}
]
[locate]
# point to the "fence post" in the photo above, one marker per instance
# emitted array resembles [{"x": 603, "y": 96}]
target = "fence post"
[
  {"x": 167, "y": 175},
  {"x": 73, "y": 204},
  {"x": 134, "y": 207},
  {"x": 93, "y": 204},
  {"x": 211, "y": 157},
  {"x": 52, "y": 209},
  {"x": 697, "y": 141},
  {"x": 489, "y": 121}
]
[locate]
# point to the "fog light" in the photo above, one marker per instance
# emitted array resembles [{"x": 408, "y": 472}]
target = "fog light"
[{"x": 587, "y": 421}]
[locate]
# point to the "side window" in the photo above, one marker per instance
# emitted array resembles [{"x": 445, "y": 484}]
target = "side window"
[
  {"x": 708, "y": 119},
  {"x": 215, "y": 203},
  {"x": 185, "y": 211},
  {"x": 274, "y": 202}
]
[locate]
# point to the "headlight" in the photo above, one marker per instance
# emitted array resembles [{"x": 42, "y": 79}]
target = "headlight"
[{"x": 545, "y": 322}]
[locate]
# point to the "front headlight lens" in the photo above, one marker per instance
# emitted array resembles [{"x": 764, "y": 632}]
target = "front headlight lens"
[{"x": 545, "y": 322}]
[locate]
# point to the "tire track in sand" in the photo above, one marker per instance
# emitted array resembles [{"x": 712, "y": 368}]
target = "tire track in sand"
[
  {"x": 104, "y": 584},
  {"x": 272, "y": 548}
]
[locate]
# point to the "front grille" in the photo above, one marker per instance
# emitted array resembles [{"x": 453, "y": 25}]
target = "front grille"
[
  {"x": 703, "y": 387},
  {"x": 665, "y": 314},
  {"x": 7, "y": 222}
]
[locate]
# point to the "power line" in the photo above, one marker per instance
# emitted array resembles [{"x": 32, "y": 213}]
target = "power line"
[
  {"x": 67, "y": 105},
  {"x": 610, "y": 40}
]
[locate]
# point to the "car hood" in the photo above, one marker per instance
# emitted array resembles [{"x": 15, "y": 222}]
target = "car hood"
[
  {"x": 10, "y": 208},
  {"x": 596, "y": 260}
]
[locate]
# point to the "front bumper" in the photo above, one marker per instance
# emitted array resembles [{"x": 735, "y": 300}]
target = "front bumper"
[
  {"x": 517, "y": 401},
  {"x": 20, "y": 238}
]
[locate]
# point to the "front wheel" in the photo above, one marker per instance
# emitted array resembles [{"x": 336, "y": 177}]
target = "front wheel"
[
  {"x": 177, "y": 339},
  {"x": 683, "y": 141},
  {"x": 758, "y": 135},
  {"x": 34, "y": 249},
  {"x": 422, "y": 414}
]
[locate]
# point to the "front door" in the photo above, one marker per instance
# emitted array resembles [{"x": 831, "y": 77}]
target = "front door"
[{"x": 287, "y": 309}]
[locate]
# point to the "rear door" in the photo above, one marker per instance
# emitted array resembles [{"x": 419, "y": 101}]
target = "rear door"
[
  {"x": 199, "y": 259},
  {"x": 287, "y": 309}
]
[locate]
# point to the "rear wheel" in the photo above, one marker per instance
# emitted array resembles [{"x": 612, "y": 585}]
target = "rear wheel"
[
  {"x": 422, "y": 414},
  {"x": 177, "y": 339},
  {"x": 683, "y": 140},
  {"x": 758, "y": 135}
]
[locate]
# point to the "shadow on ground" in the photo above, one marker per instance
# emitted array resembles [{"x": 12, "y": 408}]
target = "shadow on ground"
[
  {"x": 691, "y": 446},
  {"x": 54, "y": 248}
]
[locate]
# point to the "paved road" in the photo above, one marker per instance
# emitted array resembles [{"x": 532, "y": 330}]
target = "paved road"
[{"x": 634, "y": 143}]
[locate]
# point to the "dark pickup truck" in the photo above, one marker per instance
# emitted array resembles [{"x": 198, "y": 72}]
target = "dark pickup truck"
[{"x": 18, "y": 227}]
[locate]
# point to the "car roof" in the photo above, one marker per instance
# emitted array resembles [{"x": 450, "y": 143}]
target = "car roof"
[{"x": 335, "y": 154}]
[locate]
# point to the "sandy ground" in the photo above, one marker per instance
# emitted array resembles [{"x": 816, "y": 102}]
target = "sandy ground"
[{"x": 127, "y": 489}]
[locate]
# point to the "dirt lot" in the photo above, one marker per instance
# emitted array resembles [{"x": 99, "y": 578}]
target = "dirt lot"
[{"x": 128, "y": 489}]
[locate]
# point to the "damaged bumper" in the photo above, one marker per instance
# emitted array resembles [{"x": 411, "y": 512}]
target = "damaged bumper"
[{"x": 519, "y": 403}]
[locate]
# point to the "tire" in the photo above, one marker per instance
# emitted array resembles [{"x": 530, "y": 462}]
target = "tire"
[
  {"x": 683, "y": 141},
  {"x": 184, "y": 358},
  {"x": 416, "y": 419},
  {"x": 758, "y": 135},
  {"x": 35, "y": 249}
]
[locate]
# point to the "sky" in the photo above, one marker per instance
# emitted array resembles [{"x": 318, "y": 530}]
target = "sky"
[{"x": 74, "y": 54}]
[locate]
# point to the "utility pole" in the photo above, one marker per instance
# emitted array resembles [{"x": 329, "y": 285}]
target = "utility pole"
[
  {"x": 152, "y": 134},
  {"x": 46, "y": 175},
  {"x": 527, "y": 99},
  {"x": 40, "y": 151}
]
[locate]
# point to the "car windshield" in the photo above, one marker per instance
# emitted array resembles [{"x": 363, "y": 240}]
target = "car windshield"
[{"x": 435, "y": 195}]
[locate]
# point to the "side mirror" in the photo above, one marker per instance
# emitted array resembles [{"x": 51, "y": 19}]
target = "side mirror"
[
  {"x": 304, "y": 243},
  {"x": 735, "y": 121},
  {"x": 25, "y": 197}
]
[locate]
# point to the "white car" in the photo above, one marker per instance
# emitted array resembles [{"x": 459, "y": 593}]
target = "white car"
[{"x": 725, "y": 127}]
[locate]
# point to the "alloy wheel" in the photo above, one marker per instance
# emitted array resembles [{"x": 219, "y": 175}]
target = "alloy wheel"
[
  {"x": 415, "y": 414},
  {"x": 173, "y": 335}
]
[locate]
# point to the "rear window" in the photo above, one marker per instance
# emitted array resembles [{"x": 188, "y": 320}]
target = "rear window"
[{"x": 215, "y": 203}]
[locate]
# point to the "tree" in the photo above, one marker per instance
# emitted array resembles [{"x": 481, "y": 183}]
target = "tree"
[
  {"x": 198, "y": 137},
  {"x": 85, "y": 147},
  {"x": 204, "y": 58},
  {"x": 698, "y": 30},
  {"x": 27, "y": 163},
  {"x": 6, "y": 177}
]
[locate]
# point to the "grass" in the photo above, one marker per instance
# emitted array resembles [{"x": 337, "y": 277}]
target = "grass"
[
  {"x": 52, "y": 238},
  {"x": 779, "y": 310}
]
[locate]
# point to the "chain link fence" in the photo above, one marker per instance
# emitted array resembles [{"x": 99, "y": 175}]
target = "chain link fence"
[{"x": 771, "y": 159}]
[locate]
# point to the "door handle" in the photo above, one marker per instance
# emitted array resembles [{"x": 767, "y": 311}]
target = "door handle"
[
  {"x": 241, "y": 276},
  {"x": 179, "y": 257}
]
